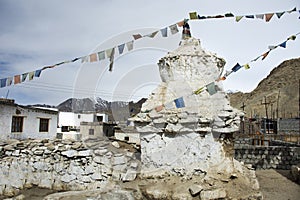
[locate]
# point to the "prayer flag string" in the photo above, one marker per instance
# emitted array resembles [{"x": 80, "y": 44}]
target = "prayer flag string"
[
  {"x": 173, "y": 29},
  {"x": 265, "y": 16}
]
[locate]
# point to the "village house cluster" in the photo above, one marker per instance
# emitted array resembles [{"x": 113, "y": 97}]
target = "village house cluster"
[{"x": 30, "y": 122}]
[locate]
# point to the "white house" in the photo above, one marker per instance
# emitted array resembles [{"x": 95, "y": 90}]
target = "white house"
[
  {"x": 23, "y": 122},
  {"x": 69, "y": 124}
]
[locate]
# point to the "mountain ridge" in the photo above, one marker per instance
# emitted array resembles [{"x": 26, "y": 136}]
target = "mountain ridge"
[{"x": 280, "y": 90}]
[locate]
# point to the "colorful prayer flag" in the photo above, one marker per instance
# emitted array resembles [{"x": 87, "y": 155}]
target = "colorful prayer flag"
[
  {"x": 181, "y": 23},
  {"x": 109, "y": 52},
  {"x": 173, "y": 29},
  {"x": 199, "y": 90},
  {"x": 260, "y": 16},
  {"x": 31, "y": 75},
  {"x": 211, "y": 88},
  {"x": 283, "y": 44},
  {"x": 17, "y": 79},
  {"x": 129, "y": 45},
  {"x": 101, "y": 55},
  {"x": 121, "y": 48},
  {"x": 84, "y": 59},
  {"x": 279, "y": 14},
  {"x": 265, "y": 55},
  {"x": 137, "y": 36},
  {"x": 24, "y": 76},
  {"x": 37, "y": 73},
  {"x": 179, "y": 102},
  {"x": 159, "y": 108},
  {"x": 3, "y": 82},
  {"x": 250, "y": 16},
  {"x": 271, "y": 47},
  {"x": 269, "y": 16},
  {"x": 229, "y": 15},
  {"x": 9, "y": 81},
  {"x": 236, "y": 67},
  {"x": 293, "y": 37},
  {"x": 111, "y": 59},
  {"x": 152, "y": 35},
  {"x": 164, "y": 32},
  {"x": 93, "y": 57},
  {"x": 193, "y": 15},
  {"x": 223, "y": 78},
  {"x": 238, "y": 18},
  {"x": 201, "y": 17},
  {"x": 246, "y": 66},
  {"x": 293, "y": 10}
]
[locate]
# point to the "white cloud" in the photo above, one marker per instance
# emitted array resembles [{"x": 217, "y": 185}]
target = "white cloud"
[{"x": 38, "y": 33}]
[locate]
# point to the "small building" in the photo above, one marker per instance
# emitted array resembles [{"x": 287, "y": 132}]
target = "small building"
[
  {"x": 127, "y": 134},
  {"x": 24, "y": 122},
  {"x": 91, "y": 130},
  {"x": 77, "y": 126}
]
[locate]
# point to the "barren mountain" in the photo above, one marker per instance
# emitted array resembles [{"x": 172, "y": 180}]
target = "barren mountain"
[
  {"x": 279, "y": 90},
  {"x": 117, "y": 110}
]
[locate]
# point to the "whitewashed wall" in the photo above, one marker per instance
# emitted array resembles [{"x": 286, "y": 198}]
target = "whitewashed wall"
[{"x": 31, "y": 122}]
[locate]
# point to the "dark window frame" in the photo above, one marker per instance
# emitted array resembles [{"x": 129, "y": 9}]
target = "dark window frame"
[
  {"x": 44, "y": 125},
  {"x": 17, "y": 123}
]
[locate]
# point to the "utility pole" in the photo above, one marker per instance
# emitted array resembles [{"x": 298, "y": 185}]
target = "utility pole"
[
  {"x": 243, "y": 107},
  {"x": 277, "y": 109},
  {"x": 266, "y": 107}
]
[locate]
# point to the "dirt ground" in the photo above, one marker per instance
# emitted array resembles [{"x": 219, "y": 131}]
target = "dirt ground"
[
  {"x": 274, "y": 184},
  {"x": 277, "y": 185}
]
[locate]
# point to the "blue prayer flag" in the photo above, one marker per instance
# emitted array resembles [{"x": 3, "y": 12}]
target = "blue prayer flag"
[
  {"x": 164, "y": 32},
  {"x": 3, "y": 82},
  {"x": 283, "y": 44},
  {"x": 236, "y": 67},
  {"x": 37, "y": 73},
  {"x": 121, "y": 48},
  {"x": 179, "y": 102}
]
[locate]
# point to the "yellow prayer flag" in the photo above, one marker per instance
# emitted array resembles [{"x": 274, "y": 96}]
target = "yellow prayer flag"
[
  {"x": 247, "y": 66},
  {"x": 199, "y": 90},
  {"x": 238, "y": 18},
  {"x": 193, "y": 15}
]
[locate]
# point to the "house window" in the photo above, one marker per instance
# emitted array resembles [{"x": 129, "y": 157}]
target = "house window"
[
  {"x": 91, "y": 131},
  {"x": 65, "y": 129},
  {"x": 100, "y": 118},
  {"x": 44, "y": 125},
  {"x": 17, "y": 124},
  {"x": 78, "y": 116}
]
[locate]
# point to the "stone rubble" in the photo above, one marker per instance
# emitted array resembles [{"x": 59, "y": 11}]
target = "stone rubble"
[{"x": 62, "y": 165}]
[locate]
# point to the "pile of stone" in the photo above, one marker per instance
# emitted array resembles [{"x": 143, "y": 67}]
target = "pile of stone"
[{"x": 63, "y": 165}]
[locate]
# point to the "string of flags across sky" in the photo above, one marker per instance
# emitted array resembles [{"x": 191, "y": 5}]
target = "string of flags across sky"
[{"x": 173, "y": 29}]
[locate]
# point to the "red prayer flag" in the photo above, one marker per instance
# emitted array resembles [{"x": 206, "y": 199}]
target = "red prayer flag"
[
  {"x": 269, "y": 16},
  {"x": 265, "y": 55},
  {"x": 93, "y": 57},
  {"x": 17, "y": 79}
]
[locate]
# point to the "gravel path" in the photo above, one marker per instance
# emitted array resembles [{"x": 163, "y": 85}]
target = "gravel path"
[{"x": 276, "y": 185}]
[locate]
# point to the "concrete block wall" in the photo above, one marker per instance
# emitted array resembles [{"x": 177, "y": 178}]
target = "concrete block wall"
[{"x": 268, "y": 157}]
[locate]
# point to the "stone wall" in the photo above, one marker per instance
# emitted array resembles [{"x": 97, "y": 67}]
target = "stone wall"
[
  {"x": 288, "y": 125},
  {"x": 62, "y": 165},
  {"x": 268, "y": 157}
]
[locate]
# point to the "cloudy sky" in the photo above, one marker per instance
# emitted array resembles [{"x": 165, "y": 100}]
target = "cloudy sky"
[{"x": 37, "y": 33}]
